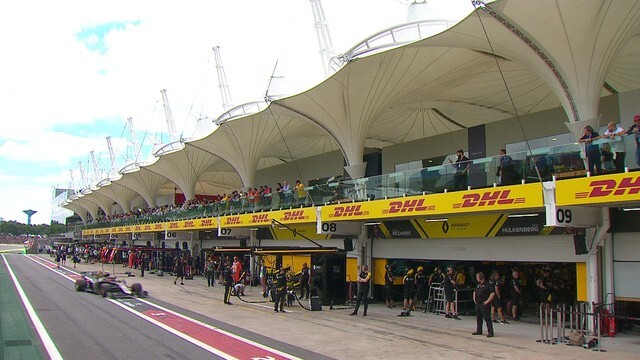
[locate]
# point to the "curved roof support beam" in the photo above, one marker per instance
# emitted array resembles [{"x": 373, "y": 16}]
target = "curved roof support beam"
[
  {"x": 583, "y": 48},
  {"x": 78, "y": 210},
  {"x": 122, "y": 195},
  {"x": 144, "y": 182},
  {"x": 104, "y": 202},
  {"x": 88, "y": 205}
]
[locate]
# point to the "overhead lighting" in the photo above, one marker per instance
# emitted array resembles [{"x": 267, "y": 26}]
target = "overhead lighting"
[
  {"x": 631, "y": 209},
  {"x": 436, "y": 220},
  {"x": 253, "y": 229},
  {"x": 371, "y": 223},
  {"x": 522, "y": 215}
]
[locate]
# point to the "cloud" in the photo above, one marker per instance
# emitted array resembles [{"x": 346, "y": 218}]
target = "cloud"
[{"x": 78, "y": 69}]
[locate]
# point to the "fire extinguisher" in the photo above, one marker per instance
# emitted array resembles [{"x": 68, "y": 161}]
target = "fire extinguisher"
[{"x": 611, "y": 325}]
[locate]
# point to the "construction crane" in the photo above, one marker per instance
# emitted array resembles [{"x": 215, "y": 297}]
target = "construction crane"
[
  {"x": 168, "y": 116},
  {"x": 222, "y": 80},
  {"x": 134, "y": 140},
  {"x": 324, "y": 38},
  {"x": 112, "y": 157}
]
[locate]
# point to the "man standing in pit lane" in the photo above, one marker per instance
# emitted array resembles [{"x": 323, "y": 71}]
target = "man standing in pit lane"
[
  {"x": 228, "y": 283},
  {"x": 388, "y": 286},
  {"x": 421, "y": 289},
  {"x": 409, "y": 282},
  {"x": 363, "y": 290},
  {"x": 281, "y": 290},
  {"x": 482, "y": 297},
  {"x": 449, "y": 285}
]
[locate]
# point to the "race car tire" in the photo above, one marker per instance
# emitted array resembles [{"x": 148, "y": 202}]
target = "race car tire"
[
  {"x": 104, "y": 290},
  {"x": 136, "y": 289},
  {"x": 81, "y": 284}
]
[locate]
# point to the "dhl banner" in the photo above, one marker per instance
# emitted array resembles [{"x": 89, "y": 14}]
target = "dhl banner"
[
  {"x": 614, "y": 188},
  {"x": 293, "y": 216},
  {"x": 195, "y": 224},
  {"x": 491, "y": 199},
  {"x": 155, "y": 227},
  {"x": 466, "y": 226}
]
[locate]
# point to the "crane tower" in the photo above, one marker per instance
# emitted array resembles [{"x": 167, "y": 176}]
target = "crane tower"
[
  {"x": 222, "y": 80},
  {"x": 324, "y": 38}
]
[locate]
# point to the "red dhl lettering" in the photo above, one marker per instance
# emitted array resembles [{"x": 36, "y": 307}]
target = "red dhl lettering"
[
  {"x": 407, "y": 206},
  {"x": 147, "y": 227},
  {"x": 260, "y": 218},
  {"x": 173, "y": 225},
  {"x": 189, "y": 224},
  {"x": 158, "y": 226},
  {"x": 206, "y": 222},
  {"x": 232, "y": 220},
  {"x": 293, "y": 215},
  {"x": 627, "y": 186},
  {"x": 347, "y": 211},
  {"x": 488, "y": 198}
]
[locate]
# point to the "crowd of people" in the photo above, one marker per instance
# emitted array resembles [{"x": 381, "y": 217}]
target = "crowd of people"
[{"x": 254, "y": 198}]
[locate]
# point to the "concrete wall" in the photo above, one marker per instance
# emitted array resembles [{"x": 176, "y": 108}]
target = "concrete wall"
[
  {"x": 556, "y": 248},
  {"x": 311, "y": 168}
]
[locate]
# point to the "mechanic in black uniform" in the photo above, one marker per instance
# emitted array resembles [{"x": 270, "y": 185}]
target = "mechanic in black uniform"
[
  {"x": 496, "y": 304},
  {"x": 421, "y": 289},
  {"x": 516, "y": 294},
  {"x": 364, "y": 278},
  {"x": 305, "y": 280},
  {"x": 483, "y": 296},
  {"x": 409, "y": 282},
  {"x": 228, "y": 283},
  {"x": 281, "y": 290},
  {"x": 388, "y": 286},
  {"x": 449, "y": 285}
]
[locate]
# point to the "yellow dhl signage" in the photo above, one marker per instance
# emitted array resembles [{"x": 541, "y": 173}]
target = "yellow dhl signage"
[
  {"x": 613, "y": 188},
  {"x": 293, "y": 216},
  {"x": 207, "y": 223},
  {"x": 148, "y": 227},
  {"x": 490, "y": 199}
]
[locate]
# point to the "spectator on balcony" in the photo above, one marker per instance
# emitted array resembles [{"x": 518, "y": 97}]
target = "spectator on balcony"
[
  {"x": 288, "y": 193},
  {"x": 592, "y": 150},
  {"x": 635, "y": 131},
  {"x": 506, "y": 170},
  {"x": 300, "y": 192},
  {"x": 461, "y": 167},
  {"x": 614, "y": 133},
  {"x": 280, "y": 192}
]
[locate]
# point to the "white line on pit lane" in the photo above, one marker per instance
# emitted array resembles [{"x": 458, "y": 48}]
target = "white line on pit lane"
[
  {"x": 51, "y": 348},
  {"x": 264, "y": 347}
]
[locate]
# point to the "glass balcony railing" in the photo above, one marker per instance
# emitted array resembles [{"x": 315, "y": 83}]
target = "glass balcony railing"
[{"x": 541, "y": 164}]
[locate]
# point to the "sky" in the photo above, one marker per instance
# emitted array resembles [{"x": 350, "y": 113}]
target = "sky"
[{"x": 73, "y": 72}]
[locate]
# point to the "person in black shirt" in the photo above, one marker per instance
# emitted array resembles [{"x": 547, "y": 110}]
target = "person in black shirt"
[
  {"x": 516, "y": 294},
  {"x": 496, "y": 304},
  {"x": 461, "y": 167},
  {"x": 364, "y": 279},
  {"x": 483, "y": 296},
  {"x": 305, "y": 279},
  {"x": 228, "y": 283},
  {"x": 421, "y": 288},
  {"x": 409, "y": 282},
  {"x": 593, "y": 150},
  {"x": 449, "y": 285},
  {"x": 281, "y": 290},
  {"x": 388, "y": 286}
]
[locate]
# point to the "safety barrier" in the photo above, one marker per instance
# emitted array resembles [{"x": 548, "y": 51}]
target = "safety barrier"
[{"x": 571, "y": 325}]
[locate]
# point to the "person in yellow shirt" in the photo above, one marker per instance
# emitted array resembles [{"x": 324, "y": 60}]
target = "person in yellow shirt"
[{"x": 299, "y": 188}]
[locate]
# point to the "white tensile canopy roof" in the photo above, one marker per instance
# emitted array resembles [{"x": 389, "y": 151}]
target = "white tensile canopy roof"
[{"x": 548, "y": 53}]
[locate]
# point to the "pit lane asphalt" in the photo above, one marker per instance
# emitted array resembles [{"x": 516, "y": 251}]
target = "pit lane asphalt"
[
  {"x": 335, "y": 334},
  {"x": 86, "y": 326}
]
